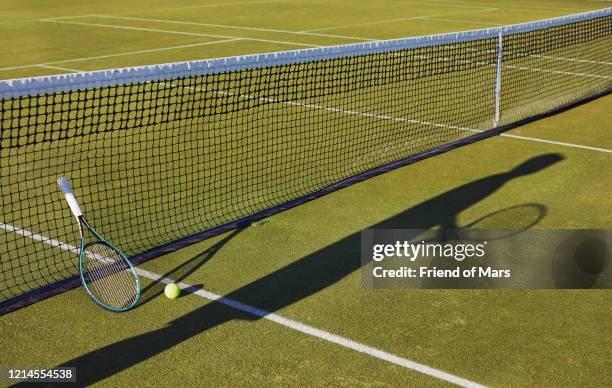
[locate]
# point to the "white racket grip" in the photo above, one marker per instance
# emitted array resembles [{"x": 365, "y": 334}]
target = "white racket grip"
[{"x": 72, "y": 202}]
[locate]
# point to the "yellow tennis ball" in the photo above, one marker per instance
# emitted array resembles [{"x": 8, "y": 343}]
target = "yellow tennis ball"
[{"x": 172, "y": 291}]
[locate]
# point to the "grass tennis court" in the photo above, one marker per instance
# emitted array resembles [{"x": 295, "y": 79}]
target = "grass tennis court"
[{"x": 304, "y": 318}]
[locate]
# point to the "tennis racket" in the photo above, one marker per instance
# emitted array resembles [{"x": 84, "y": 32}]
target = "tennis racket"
[{"x": 107, "y": 274}]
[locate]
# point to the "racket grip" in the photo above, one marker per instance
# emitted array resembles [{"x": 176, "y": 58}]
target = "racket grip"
[{"x": 72, "y": 202}]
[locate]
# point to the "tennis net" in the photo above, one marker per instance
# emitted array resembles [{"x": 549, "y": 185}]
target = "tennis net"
[{"x": 164, "y": 156}]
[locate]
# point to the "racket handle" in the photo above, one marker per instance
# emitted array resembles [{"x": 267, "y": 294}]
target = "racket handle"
[{"x": 72, "y": 202}]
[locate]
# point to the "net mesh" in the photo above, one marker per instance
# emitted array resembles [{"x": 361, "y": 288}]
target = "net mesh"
[{"x": 163, "y": 158}]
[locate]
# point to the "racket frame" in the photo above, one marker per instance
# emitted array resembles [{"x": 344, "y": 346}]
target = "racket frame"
[{"x": 82, "y": 224}]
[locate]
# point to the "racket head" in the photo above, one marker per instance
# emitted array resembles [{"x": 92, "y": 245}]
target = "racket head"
[{"x": 108, "y": 276}]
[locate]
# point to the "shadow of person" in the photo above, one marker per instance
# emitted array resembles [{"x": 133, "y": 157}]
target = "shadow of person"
[{"x": 293, "y": 282}]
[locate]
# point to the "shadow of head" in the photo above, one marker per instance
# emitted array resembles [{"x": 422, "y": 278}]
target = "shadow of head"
[
  {"x": 536, "y": 164},
  {"x": 580, "y": 260},
  {"x": 592, "y": 256}
]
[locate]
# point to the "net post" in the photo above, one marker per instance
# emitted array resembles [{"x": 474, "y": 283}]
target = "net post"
[{"x": 498, "y": 78}]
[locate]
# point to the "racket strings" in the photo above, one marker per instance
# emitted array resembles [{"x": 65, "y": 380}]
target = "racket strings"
[{"x": 109, "y": 277}]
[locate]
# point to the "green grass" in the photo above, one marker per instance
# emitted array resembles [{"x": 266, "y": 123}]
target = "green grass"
[{"x": 304, "y": 263}]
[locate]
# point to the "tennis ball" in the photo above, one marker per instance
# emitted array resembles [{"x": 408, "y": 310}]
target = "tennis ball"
[{"x": 172, "y": 291}]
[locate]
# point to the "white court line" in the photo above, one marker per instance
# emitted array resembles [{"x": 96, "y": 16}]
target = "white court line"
[
  {"x": 19, "y": 21},
  {"x": 399, "y": 19},
  {"x": 532, "y": 8},
  {"x": 230, "y": 27},
  {"x": 126, "y": 53},
  {"x": 570, "y": 73},
  {"x": 521, "y": 54},
  {"x": 557, "y": 58},
  {"x": 462, "y": 21},
  {"x": 429, "y": 3},
  {"x": 557, "y": 143},
  {"x": 175, "y": 32},
  {"x": 534, "y": 69},
  {"x": 37, "y": 237},
  {"x": 286, "y": 322},
  {"x": 185, "y": 7},
  {"x": 60, "y": 68},
  {"x": 330, "y": 109},
  {"x": 67, "y": 17},
  {"x": 206, "y": 6}
]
